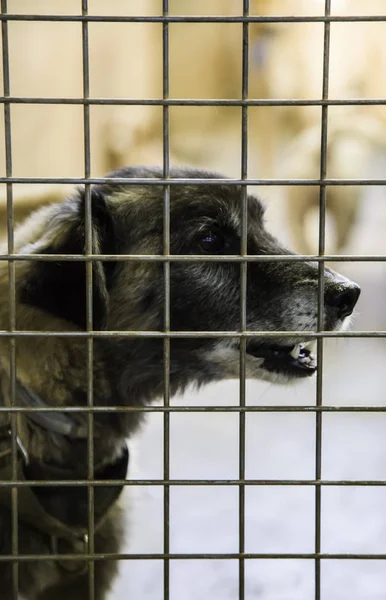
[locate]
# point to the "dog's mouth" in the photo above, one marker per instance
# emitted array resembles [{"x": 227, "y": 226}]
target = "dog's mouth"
[{"x": 295, "y": 361}]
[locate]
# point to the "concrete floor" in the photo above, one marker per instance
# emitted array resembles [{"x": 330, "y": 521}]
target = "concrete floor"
[{"x": 278, "y": 445}]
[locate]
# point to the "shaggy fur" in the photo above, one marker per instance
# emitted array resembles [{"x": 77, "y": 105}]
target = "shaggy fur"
[{"x": 128, "y": 295}]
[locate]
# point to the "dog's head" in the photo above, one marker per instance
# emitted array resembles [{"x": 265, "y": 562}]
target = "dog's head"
[{"x": 205, "y": 219}]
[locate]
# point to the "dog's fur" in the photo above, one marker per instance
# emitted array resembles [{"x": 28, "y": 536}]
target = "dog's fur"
[{"x": 204, "y": 296}]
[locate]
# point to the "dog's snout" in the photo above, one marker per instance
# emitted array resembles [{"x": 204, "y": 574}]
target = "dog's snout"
[{"x": 344, "y": 299}]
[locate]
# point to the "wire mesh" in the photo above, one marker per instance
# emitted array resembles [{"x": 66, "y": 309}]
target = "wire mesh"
[{"x": 167, "y": 335}]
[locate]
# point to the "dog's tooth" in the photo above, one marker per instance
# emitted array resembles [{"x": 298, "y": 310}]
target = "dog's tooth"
[
  {"x": 295, "y": 351},
  {"x": 310, "y": 345},
  {"x": 306, "y": 360}
]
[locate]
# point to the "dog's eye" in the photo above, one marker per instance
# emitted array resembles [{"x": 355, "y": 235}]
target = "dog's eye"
[{"x": 212, "y": 242}]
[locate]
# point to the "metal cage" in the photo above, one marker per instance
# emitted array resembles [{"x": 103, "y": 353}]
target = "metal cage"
[{"x": 12, "y": 334}]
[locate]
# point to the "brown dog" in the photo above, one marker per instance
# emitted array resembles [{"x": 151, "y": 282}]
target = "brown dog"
[{"x": 128, "y": 371}]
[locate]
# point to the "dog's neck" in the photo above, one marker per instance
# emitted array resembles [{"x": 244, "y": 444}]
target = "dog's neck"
[{"x": 59, "y": 381}]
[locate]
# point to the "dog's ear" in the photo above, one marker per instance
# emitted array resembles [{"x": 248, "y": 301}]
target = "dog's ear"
[{"x": 59, "y": 287}]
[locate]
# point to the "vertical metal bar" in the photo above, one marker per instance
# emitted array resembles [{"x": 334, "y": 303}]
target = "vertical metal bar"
[
  {"x": 12, "y": 301},
  {"x": 89, "y": 299},
  {"x": 320, "y": 320},
  {"x": 166, "y": 271},
  {"x": 243, "y": 295}
]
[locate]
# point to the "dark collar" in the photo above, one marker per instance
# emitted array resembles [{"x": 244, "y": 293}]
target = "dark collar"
[
  {"x": 61, "y": 508},
  {"x": 69, "y": 504},
  {"x": 63, "y": 423}
]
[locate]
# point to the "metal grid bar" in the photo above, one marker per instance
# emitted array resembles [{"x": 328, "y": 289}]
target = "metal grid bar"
[
  {"x": 186, "y": 181},
  {"x": 167, "y": 259},
  {"x": 199, "y": 482},
  {"x": 166, "y": 272},
  {"x": 12, "y": 305},
  {"x": 192, "y": 556},
  {"x": 197, "y": 334},
  {"x": 243, "y": 294},
  {"x": 89, "y": 538},
  {"x": 320, "y": 317},
  {"x": 192, "y": 258},
  {"x": 195, "y": 19},
  {"x": 218, "y": 408},
  {"x": 198, "y": 102}
]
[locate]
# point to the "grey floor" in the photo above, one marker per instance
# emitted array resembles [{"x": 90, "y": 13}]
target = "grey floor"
[{"x": 278, "y": 445}]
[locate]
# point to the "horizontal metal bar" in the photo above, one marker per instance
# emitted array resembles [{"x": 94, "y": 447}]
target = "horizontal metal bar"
[
  {"x": 193, "y": 334},
  {"x": 194, "y": 258},
  {"x": 196, "y": 102},
  {"x": 193, "y": 482},
  {"x": 190, "y": 556},
  {"x": 197, "y": 409},
  {"x": 193, "y": 19},
  {"x": 151, "y": 181}
]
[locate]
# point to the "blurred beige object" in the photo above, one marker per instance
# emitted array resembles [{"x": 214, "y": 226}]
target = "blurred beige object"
[
  {"x": 126, "y": 62},
  {"x": 356, "y": 135},
  {"x": 45, "y": 61},
  {"x": 205, "y": 62},
  {"x": 29, "y": 199}
]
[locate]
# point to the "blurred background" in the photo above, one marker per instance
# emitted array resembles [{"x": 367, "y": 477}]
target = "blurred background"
[{"x": 205, "y": 60}]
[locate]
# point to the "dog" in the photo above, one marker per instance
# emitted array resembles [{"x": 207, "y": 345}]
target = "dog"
[{"x": 128, "y": 370}]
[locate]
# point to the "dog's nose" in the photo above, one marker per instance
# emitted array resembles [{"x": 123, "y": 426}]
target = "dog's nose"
[{"x": 344, "y": 299}]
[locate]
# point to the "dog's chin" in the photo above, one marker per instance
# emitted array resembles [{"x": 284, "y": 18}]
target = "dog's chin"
[
  {"x": 269, "y": 362},
  {"x": 277, "y": 362},
  {"x": 285, "y": 363},
  {"x": 281, "y": 363}
]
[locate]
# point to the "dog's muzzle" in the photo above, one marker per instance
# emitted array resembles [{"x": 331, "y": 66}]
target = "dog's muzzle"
[{"x": 297, "y": 360}]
